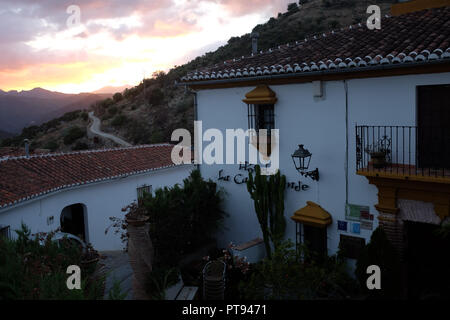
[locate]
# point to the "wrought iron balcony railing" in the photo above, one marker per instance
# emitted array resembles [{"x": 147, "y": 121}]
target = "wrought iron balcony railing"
[{"x": 405, "y": 151}]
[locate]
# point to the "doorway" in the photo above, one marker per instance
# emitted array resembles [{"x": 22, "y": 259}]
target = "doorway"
[
  {"x": 73, "y": 220},
  {"x": 427, "y": 261}
]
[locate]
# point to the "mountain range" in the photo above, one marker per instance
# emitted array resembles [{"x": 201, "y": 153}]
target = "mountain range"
[{"x": 33, "y": 107}]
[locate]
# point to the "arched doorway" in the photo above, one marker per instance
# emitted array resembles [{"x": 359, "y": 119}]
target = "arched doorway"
[{"x": 73, "y": 220}]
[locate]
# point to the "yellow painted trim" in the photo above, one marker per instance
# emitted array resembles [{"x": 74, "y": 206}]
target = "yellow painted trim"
[
  {"x": 391, "y": 188},
  {"x": 262, "y": 94},
  {"x": 393, "y": 175},
  {"x": 417, "y": 5},
  {"x": 312, "y": 214}
]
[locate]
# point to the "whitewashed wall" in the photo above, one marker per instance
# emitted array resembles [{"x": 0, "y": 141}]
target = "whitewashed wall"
[
  {"x": 319, "y": 124},
  {"x": 102, "y": 200}
]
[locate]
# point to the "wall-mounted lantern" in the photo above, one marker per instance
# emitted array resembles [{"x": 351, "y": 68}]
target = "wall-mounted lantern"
[{"x": 301, "y": 158}]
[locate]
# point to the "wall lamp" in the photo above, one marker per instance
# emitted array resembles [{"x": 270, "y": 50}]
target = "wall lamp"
[{"x": 301, "y": 158}]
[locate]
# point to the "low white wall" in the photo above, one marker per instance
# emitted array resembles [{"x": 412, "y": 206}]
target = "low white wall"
[{"x": 102, "y": 200}]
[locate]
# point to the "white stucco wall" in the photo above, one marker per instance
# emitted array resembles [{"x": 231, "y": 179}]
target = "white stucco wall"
[
  {"x": 102, "y": 200},
  {"x": 319, "y": 124}
]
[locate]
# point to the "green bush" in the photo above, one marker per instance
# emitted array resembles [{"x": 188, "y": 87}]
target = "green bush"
[
  {"x": 35, "y": 268},
  {"x": 185, "y": 105},
  {"x": 117, "y": 97},
  {"x": 294, "y": 274},
  {"x": 80, "y": 146},
  {"x": 106, "y": 103},
  {"x": 183, "y": 218},
  {"x": 51, "y": 145},
  {"x": 379, "y": 251},
  {"x": 84, "y": 116},
  {"x": 156, "y": 97},
  {"x": 119, "y": 120},
  {"x": 113, "y": 110},
  {"x": 74, "y": 134},
  {"x": 70, "y": 116}
]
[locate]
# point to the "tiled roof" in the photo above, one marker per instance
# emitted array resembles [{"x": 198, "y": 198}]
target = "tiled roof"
[
  {"x": 416, "y": 37},
  {"x": 23, "y": 178}
]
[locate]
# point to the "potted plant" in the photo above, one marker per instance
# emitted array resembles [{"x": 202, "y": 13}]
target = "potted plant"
[{"x": 380, "y": 152}]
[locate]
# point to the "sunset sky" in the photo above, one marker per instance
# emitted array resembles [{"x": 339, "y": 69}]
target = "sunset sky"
[{"x": 117, "y": 42}]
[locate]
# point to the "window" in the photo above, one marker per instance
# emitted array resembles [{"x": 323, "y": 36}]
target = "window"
[
  {"x": 5, "y": 232},
  {"x": 260, "y": 104},
  {"x": 433, "y": 119},
  {"x": 141, "y": 191},
  {"x": 261, "y": 116},
  {"x": 315, "y": 239}
]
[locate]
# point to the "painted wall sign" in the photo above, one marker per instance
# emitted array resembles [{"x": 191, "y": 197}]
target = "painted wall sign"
[
  {"x": 354, "y": 212},
  {"x": 242, "y": 179}
]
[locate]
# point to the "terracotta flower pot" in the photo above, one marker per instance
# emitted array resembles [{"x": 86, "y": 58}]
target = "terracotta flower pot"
[
  {"x": 137, "y": 221},
  {"x": 378, "y": 159}
]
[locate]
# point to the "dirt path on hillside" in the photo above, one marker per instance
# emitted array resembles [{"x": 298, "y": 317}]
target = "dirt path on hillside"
[{"x": 95, "y": 129}]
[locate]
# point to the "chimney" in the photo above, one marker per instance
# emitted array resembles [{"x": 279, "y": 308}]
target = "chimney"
[
  {"x": 254, "y": 36},
  {"x": 27, "y": 147}
]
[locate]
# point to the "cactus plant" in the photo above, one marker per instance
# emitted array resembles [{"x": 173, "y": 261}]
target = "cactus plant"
[{"x": 267, "y": 193}]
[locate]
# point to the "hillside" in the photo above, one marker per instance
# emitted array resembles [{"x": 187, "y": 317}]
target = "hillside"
[{"x": 149, "y": 112}]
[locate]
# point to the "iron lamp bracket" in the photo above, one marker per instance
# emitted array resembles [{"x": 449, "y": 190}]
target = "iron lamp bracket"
[{"x": 312, "y": 174}]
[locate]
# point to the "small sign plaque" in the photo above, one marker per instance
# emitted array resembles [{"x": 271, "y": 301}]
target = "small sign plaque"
[
  {"x": 356, "y": 212},
  {"x": 342, "y": 225},
  {"x": 356, "y": 228}
]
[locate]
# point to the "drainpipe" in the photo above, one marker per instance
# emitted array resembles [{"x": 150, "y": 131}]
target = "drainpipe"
[
  {"x": 346, "y": 143},
  {"x": 190, "y": 91}
]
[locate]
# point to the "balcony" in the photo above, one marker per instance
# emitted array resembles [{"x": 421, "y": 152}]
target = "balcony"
[{"x": 404, "y": 152}]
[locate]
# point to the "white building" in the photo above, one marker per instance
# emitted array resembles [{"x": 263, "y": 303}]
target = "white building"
[
  {"x": 331, "y": 92},
  {"x": 80, "y": 191}
]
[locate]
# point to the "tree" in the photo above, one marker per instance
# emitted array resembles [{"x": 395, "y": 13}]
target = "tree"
[
  {"x": 117, "y": 97},
  {"x": 292, "y": 7}
]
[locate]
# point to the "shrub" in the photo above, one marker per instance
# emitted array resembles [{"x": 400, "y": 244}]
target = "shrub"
[
  {"x": 70, "y": 116},
  {"x": 156, "y": 97},
  {"x": 113, "y": 110},
  {"x": 117, "y": 97},
  {"x": 74, "y": 134},
  {"x": 106, "y": 103},
  {"x": 36, "y": 269},
  {"x": 84, "y": 116},
  {"x": 80, "y": 146},
  {"x": 292, "y": 7},
  {"x": 119, "y": 120},
  {"x": 51, "y": 145},
  {"x": 183, "y": 218},
  {"x": 294, "y": 274},
  {"x": 185, "y": 105}
]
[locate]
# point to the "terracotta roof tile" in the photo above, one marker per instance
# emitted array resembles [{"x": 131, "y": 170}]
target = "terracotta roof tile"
[
  {"x": 23, "y": 178},
  {"x": 400, "y": 40}
]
